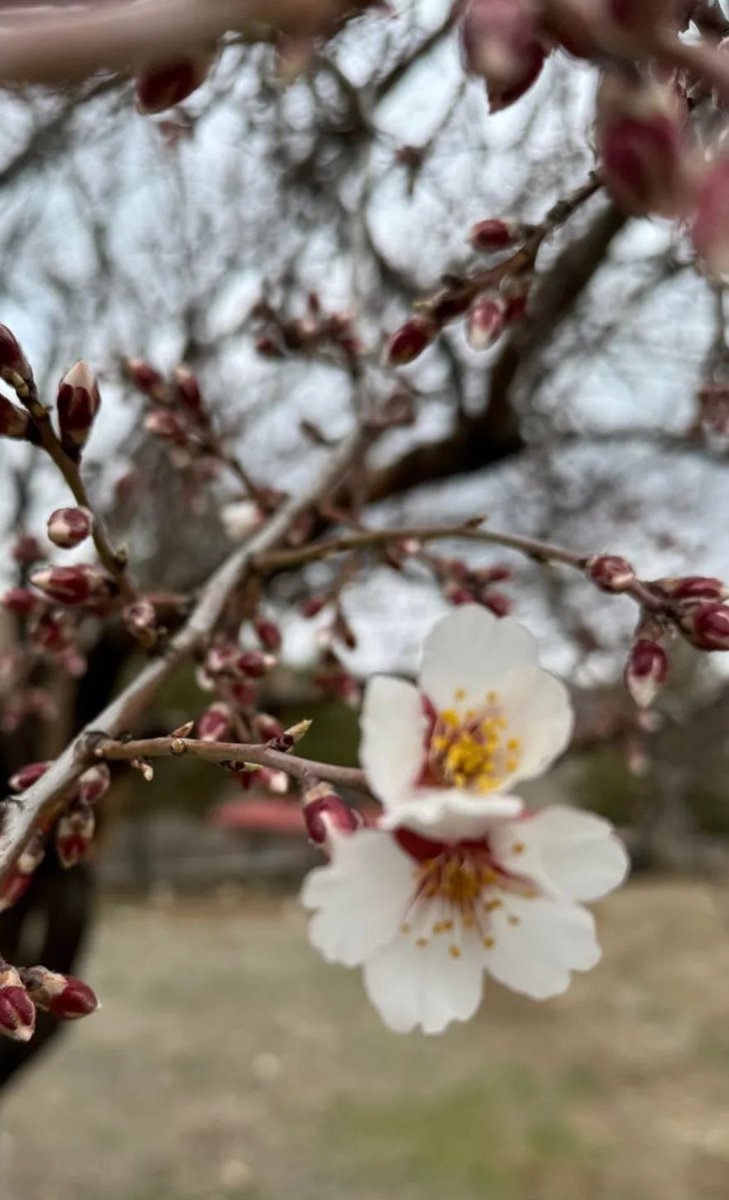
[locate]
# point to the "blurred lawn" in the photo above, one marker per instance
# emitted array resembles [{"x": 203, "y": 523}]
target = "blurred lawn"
[{"x": 229, "y": 1063}]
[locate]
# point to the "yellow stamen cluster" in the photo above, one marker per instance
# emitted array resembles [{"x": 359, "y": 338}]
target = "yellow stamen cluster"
[{"x": 471, "y": 750}]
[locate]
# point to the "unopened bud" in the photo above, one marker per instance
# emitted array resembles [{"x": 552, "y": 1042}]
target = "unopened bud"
[
  {"x": 68, "y": 527},
  {"x": 409, "y": 341},
  {"x": 17, "y": 1011},
  {"x": 325, "y": 812},
  {"x": 165, "y": 424},
  {"x": 94, "y": 783},
  {"x": 20, "y": 601},
  {"x": 18, "y": 880},
  {"x": 188, "y": 390},
  {"x": 707, "y": 626},
  {"x": 610, "y": 573},
  {"x": 645, "y": 671},
  {"x": 255, "y": 663},
  {"x": 27, "y": 549},
  {"x": 497, "y": 602},
  {"x": 74, "y": 834},
  {"x": 500, "y": 42},
  {"x": 494, "y": 234},
  {"x": 710, "y": 230},
  {"x": 241, "y": 518},
  {"x": 312, "y": 606},
  {"x": 215, "y": 724},
  {"x": 694, "y": 588},
  {"x": 268, "y": 633},
  {"x": 27, "y": 776},
  {"x": 267, "y": 728},
  {"x": 159, "y": 88},
  {"x": 640, "y": 140},
  {"x": 12, "y": 359},
  {"x": 485, "y": 322},
  {"x": 64, "y": 996},
  {"x": 13, "y": 421},
  {"x": 77, "y": 405},
  {"x": 83, "y": 583},
  {"x": 144, "y": 377}
]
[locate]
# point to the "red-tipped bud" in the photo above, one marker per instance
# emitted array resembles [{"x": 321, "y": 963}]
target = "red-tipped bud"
[
  {"x": 27, "y": 549},
  {"x": 500, "y": 42},
  {"x": 710, "y": 230},
  {"x": 499, "y": 603},
  {"x": 20, "y": 601},
  {"x": 694, "y": 588},
  {"x": 267, "y": 728},
  {"x": 12, "y": 359},
  {"x": 645, "y": 671},
  {"x": 707, "y": 626},
  {"x": 94, "y": 783},
  {"x": 65, "y": 996},
  {"x": 17, "y": 1011},
  {"x": 459, "y": 594},
  {"x": 254, "y": 663},
  {"x": 494, "y": 234},
  {"x": 610, "y": 573},
  {"x": 242, "y": 692},
  {"x": 409, "y": 341},
  {"x": 215, "y": 724},
  {"x": 326, "y": 813},
  {"x": 268, "y": 633},
  {"x": 74, "y": 834},
  {"x": 312, "y": 606},
  {"x": 145, "y": 378},
  {"x": 640, "y": 140},
  {"x": 188, "y": 391},
  {"x": 84, "y": 583},
  {"x": 13, "y": 421},
  {"x": 165, "y": 424},
  {"x": 485, "y": 322},
  {"x": 68, "y": 527},
  {"x": 27, "y": 776},
  {"x": 220, "y": 659},
  {"x": 77, "y": 404},
  {"x": 159, "y": 88},
  {"x": 18, "y": 880}
]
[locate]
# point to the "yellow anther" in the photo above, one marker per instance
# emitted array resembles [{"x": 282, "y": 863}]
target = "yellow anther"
[
  {"x": 513, "y": 744},
  {"x": 422, "y": 941},
  {"x": 513, "y": 920},
  {"x": 492, "y": 905},
  {"x": 454, "y": 951},
  {"x": 459, "y": 694},
  {"x": 512, "y": 764},
  {"x": 518, "y": 848},
  {"x": 489, "y": 942},
  {"x": 406, "y": 928}
]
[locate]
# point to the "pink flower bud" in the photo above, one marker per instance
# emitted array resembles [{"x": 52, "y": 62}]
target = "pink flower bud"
[
  {"x": 14, "y": 887},
  {"x": 64, "y": 996},
  {"x": 640, "y": 140},
  {"x": 485, "y": 322},
  {"x": 17, "y": 1012},
  {"x": 94, "y": 783},
  {"x": 254, "y": 663},
  {"x": 215, "y": 724},
  {"x": 312, "y": 606},
  {"x": 694, "y": 588},
  {"x": 325, "y": 812},
  {"x": 188, "y": 391},
  {"x": 243, "y": 693},
  {"x": 495, "y": 234},
  {"x": 13, "y": 421},
  {"x": 610, "y": 573},
  {"x": 499, "y": 604},
  {"x": 20, "y": 601},
  {"x": 74, "y": 834},
  {"x": 27, "y": 549},
  {"x": 161, "y": 87},
  {"x": 267, "y": 728},
  {"x": 645, "y": 671},
  {"x": 409, "y": 341},
  {"x": 710, "y": 230},
  {"x": 500, "y": 41},
  {"x": 146, "y": 378},
  {"x": 268, "y": 633},
  {"x": 77, "y": 404},
  {"x": 83, "y": 583},
  {"x": 220, "y": 659},
  {"x": 165, "y": 424},
  {"x": 27, "y": 776},
  {"x": 68, "y": 527},
  {"x": 707, "y": 626},
  {"x": 12, "y": 359}
]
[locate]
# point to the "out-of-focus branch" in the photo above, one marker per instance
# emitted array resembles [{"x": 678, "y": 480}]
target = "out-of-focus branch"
[{"x": 23, "y": 814}]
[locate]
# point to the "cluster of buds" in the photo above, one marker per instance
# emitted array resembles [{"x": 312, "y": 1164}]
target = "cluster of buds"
[
  {"x": 27, "y": 989},
  {"x": 48, "y": 632},
  {"x": 317, "y": 333},
  {"x": 462, "y": 584},
  {"x": 325, "y": 812}
]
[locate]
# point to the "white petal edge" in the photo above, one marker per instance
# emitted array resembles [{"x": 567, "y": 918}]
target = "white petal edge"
[
  {"x": 394, "y": 728},
  {"x": 450, "y": 815},
  {"x": 361, "y": 896},
  {"x": 424, "y": 986},
  {"x": 536, "y": 956},
  {"x": 469, "y": 653},
  {"x": 541, "y": 716},
  {"x": 566, "y": 850}
]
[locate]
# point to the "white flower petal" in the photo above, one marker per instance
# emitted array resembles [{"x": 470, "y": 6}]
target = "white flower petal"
[
  {"x": 539, "y": 713},
  {"x": 413, "y": 985},
  {"x": 470, "y": 653},
  {"x": 450, "y": 815},
  {"x": 362, "y": 896},
  {"x": 394, "y": 729},
  {"x": 571, "y": 852},
  {"x": 544, "y": 941}
]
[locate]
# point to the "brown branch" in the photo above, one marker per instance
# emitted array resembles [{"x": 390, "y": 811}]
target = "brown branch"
[
  {"x": 304, "y": 770},
  {"x": 23, "y": 814}
]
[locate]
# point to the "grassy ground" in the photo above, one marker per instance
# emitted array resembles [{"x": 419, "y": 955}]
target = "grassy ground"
[{"x": 228, "y": 1063}]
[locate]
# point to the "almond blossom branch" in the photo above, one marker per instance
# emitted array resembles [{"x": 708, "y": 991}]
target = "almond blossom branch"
[
  {"x": 26, "y": 812},
  {"x": 234, "y": 754}
]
